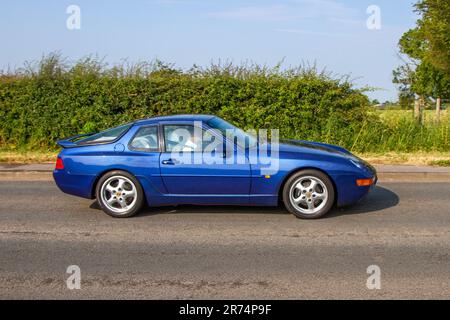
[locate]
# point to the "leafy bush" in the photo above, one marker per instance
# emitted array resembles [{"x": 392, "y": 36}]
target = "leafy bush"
[{"x": 52, "y": 100}]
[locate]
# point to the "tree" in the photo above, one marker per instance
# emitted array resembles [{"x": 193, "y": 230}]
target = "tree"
[
  {"x": 434, "y": 27},
  {"x": 426, "y": 72},
  {"x": 432, "y": 82},
  {"x": 405, "y": 77}
]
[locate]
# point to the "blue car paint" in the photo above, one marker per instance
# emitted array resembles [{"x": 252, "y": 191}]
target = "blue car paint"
[{"x": 237, "y": 184}]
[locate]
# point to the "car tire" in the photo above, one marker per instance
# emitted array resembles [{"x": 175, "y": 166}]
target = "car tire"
[
  {"x": 119, "y": 194},
  {"x": 308, "y": 200}
]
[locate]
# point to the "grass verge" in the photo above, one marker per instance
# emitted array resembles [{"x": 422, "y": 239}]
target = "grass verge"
[
  {"x": 394, "y": 158},
  {"x": 27, "y": 156},
  {"x": 421, "y": 158}
]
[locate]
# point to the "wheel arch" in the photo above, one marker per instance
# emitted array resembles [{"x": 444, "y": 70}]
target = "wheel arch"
[
  {"x": 101, "y": 174},
  {"x": 291, "y": 173}
]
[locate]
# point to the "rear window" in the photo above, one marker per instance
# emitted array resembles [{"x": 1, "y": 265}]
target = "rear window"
[{"x": 106, "y": 136}]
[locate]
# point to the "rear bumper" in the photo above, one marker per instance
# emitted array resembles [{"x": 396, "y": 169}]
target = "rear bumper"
[{"x": 77, "y": 185}]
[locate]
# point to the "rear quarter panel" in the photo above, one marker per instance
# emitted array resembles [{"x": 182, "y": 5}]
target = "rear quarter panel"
[{"x": 83, "y": 166}]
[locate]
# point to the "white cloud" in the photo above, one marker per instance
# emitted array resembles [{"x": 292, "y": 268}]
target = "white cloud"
[
  {"x": 289, "y": 10},
  {"x": 254, "y": 13},
  {"x": 314, "y": 33},
  {"x": 177, "y": 2},
  {"x": 323, "y": 9},
  {"x": 349, "y": 22}
]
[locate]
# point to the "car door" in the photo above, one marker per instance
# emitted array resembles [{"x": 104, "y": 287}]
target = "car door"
[
  {"x": 143, "y": 156},
  {"x": 185, "y": 172}
]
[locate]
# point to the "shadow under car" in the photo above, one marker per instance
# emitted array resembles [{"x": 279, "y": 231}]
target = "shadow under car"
[{"x": 378, "y": 199}]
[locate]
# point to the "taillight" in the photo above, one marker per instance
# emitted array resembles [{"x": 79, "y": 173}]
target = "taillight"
[{"x": 59, "y": 164}]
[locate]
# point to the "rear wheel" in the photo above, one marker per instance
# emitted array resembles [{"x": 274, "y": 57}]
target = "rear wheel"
[
  {"x": 308, "y": 194},
  {"x": 119, "y": 194}
]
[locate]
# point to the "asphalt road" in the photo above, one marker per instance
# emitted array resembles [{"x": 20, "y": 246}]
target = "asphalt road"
[{"x": 225, "y": 252}]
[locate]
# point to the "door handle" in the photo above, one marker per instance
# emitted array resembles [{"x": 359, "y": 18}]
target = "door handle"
[{"x": 168, "y": 162}]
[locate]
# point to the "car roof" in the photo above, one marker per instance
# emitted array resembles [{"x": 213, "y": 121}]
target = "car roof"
[{"x": 179, "y": 117}]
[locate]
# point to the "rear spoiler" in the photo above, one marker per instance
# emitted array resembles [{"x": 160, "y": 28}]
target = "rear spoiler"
[{"x": 68, "y": 142}]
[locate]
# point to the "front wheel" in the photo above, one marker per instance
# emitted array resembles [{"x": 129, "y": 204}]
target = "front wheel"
[
  {"x": 119, "y": 194},
  {"x": 308, "y": 194}
]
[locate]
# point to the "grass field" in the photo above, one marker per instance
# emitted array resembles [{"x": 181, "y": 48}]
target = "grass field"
[
  {"x": 429, "y": 116},
  {"x": 392, "y": 117}
]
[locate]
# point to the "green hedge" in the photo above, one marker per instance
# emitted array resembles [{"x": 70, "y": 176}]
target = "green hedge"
[{"x": 51, "y": 100}]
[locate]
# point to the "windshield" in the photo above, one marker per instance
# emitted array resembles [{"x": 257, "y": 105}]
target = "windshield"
[
  {"x": 106, "y": 136},
  {"x": 242, "y": 139}
]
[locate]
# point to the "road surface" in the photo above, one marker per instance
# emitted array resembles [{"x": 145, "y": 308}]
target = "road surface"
[{"x": 225, "y": 252}]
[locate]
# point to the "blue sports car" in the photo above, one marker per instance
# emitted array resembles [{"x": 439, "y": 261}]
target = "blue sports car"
[{"x": 204, "y": 160}]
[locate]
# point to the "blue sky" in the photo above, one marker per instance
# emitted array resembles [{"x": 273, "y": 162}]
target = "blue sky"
[{"x": 332, "y": 33}]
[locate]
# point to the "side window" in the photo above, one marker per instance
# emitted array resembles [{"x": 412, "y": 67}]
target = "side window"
[
  {"x": 181, "y": 137},
  {"x": 146, "y": 139}
]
